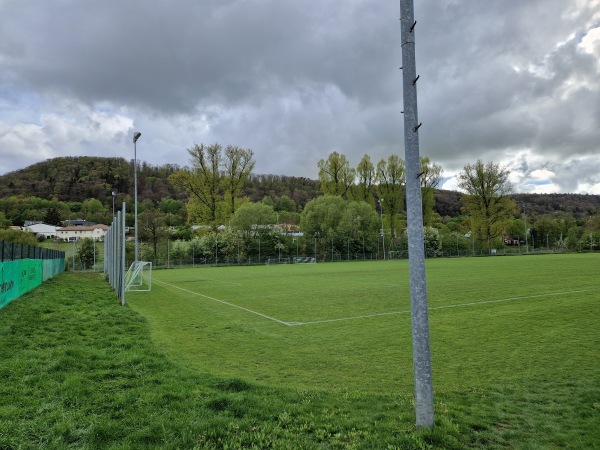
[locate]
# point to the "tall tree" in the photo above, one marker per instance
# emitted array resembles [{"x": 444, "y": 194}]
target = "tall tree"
[
  {"x": 152, "y": 228},
  {"x": 390, "y": 179},
  {"x": 238, "y": 164},
  {"x": 202, "y": 182},
  {"x": 431, "y": 176},
  {"x": 336, "y": 175},
  {"x": 52, "y": 217},
  {"x": 366, "y": 177},
  {"x": 214, "y": 182},
  {"x": 487, "y": 199}
]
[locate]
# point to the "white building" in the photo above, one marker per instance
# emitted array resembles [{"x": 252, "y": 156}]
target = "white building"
[
  {"x": 96, "y": 232},
  {"x": 41, "y": 229}
]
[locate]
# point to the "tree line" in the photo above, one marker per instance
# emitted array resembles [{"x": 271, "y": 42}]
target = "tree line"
[{"x": 347, "y": 210}]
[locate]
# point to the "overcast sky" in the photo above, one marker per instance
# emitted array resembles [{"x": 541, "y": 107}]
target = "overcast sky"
[{"x": 516, "y": 82}]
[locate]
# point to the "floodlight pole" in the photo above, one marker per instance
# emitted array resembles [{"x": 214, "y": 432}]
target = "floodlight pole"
[
  {"x": 416, "y": 248},
  {"x": 382, "y": 229},
  {"x": 136, "y": 136}
]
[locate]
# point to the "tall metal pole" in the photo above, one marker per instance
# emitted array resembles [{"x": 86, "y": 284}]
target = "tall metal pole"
[
  {"x": 121, "y": 236},
  {"x": 416, "y": 247},
  {"x": 526, "y": 233},
  {"x": 382, "y": 229},
  {"x": 136, "y": 136}
]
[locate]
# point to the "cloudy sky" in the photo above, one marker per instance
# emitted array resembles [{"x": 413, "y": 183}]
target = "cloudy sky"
[{"x": 515, "y": 82}]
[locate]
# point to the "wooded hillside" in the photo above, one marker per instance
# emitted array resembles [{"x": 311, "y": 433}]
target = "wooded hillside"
[{"x": 76, "y": 179}]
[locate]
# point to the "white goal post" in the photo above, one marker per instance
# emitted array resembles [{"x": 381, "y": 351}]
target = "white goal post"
[{"x": 139, "y": 277}]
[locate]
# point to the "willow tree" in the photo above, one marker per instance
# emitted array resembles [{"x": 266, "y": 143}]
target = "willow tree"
[
  {"x": 365, "y": 173},
  {"x": 336, "y": 175},
  {"x": 487, "y": 199},
  {"x": 390, "y": 179}
]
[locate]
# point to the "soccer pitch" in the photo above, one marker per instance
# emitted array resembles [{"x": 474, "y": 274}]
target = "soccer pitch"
[{"x": 346, "y": 326}]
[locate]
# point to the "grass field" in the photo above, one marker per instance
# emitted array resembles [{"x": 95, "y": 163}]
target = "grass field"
[
  {"x": 307, "y": 356},
  {"x": 347, "y": 326}
]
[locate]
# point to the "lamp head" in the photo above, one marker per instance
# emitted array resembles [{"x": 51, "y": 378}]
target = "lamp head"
[{"x": 136, "y": 136}]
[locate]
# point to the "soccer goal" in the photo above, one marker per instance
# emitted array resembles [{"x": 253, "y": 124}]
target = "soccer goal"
[
  {"x": 304, "y": 260},
  {"x": 139, "y": 276}
]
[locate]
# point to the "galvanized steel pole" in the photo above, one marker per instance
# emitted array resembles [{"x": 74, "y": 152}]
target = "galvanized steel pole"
[
  {"x": 136, "y": 136},
  {"x": 416, "y": 248}
]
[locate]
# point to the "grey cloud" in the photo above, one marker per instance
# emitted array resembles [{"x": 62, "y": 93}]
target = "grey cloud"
[{"x": 297, "y": 80}]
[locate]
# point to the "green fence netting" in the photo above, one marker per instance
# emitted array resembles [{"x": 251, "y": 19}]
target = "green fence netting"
[{"x": 18, "y": 277}]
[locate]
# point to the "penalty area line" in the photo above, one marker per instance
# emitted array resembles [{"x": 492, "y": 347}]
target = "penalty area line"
[{"x": 233, "y": 305}]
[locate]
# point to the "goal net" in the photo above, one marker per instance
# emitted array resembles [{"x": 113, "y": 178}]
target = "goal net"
[
  {"x": 139, "y": 276},
  {"x": 305, "y": 260}
]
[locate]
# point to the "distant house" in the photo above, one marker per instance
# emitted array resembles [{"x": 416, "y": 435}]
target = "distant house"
[
  {"x": 77, "y": 223},
  {"x": 76, "y": 233},
  {"x": 41, "y": 229}
]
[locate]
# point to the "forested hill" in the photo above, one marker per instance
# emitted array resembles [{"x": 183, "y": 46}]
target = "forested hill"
[
  {"x": 79, "y": 178},
  {"x": 447, "y": 203},
  {"x": 75, "y": 179}
]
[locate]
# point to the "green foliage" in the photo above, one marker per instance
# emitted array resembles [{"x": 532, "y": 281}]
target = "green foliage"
[
  {"x": 390, "y": 176},
  {"x": 487, "y": 200},
  {"x": 431, "y": 240},
  {"x": 75, "y": 179},
  {"x": 215, "y": 181},
  {"x": 367, "y": 176},
  {"x": 431, "y": 176},
  {"x": 4, "y": 222},
  {"x": 151, "y": 228},
  {"x": 86, "y": 252},
  {"x": 336, "y": 224},
  {"x": 323, "y": 215},
  {"x": 286, "y": 204},
  {"x": 336, "y": 175},
  {"x": 52, "y": 217},
  {"x": 218, "y": 245},
  {"x": 250, "y": 218},
  {"x": 21, "y": 237},
  {"x": 18, "y": 209},
  {"x": 74, "y": 206}
]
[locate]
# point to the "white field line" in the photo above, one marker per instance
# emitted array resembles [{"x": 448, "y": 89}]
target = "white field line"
[
  {"x": 461, "y": 305},
  {"x": 368, "y": 316},
  {"x": 225, "y": 303}
]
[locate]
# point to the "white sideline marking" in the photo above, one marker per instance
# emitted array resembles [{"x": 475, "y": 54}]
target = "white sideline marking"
[
  {"x": 225, "y": 303},
  {"x": 437, "y": 307}
]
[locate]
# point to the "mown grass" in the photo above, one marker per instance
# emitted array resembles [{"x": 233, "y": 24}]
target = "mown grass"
[
  {"x": 79, "y": 371},
  {"x": 520, "y": 317}
]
